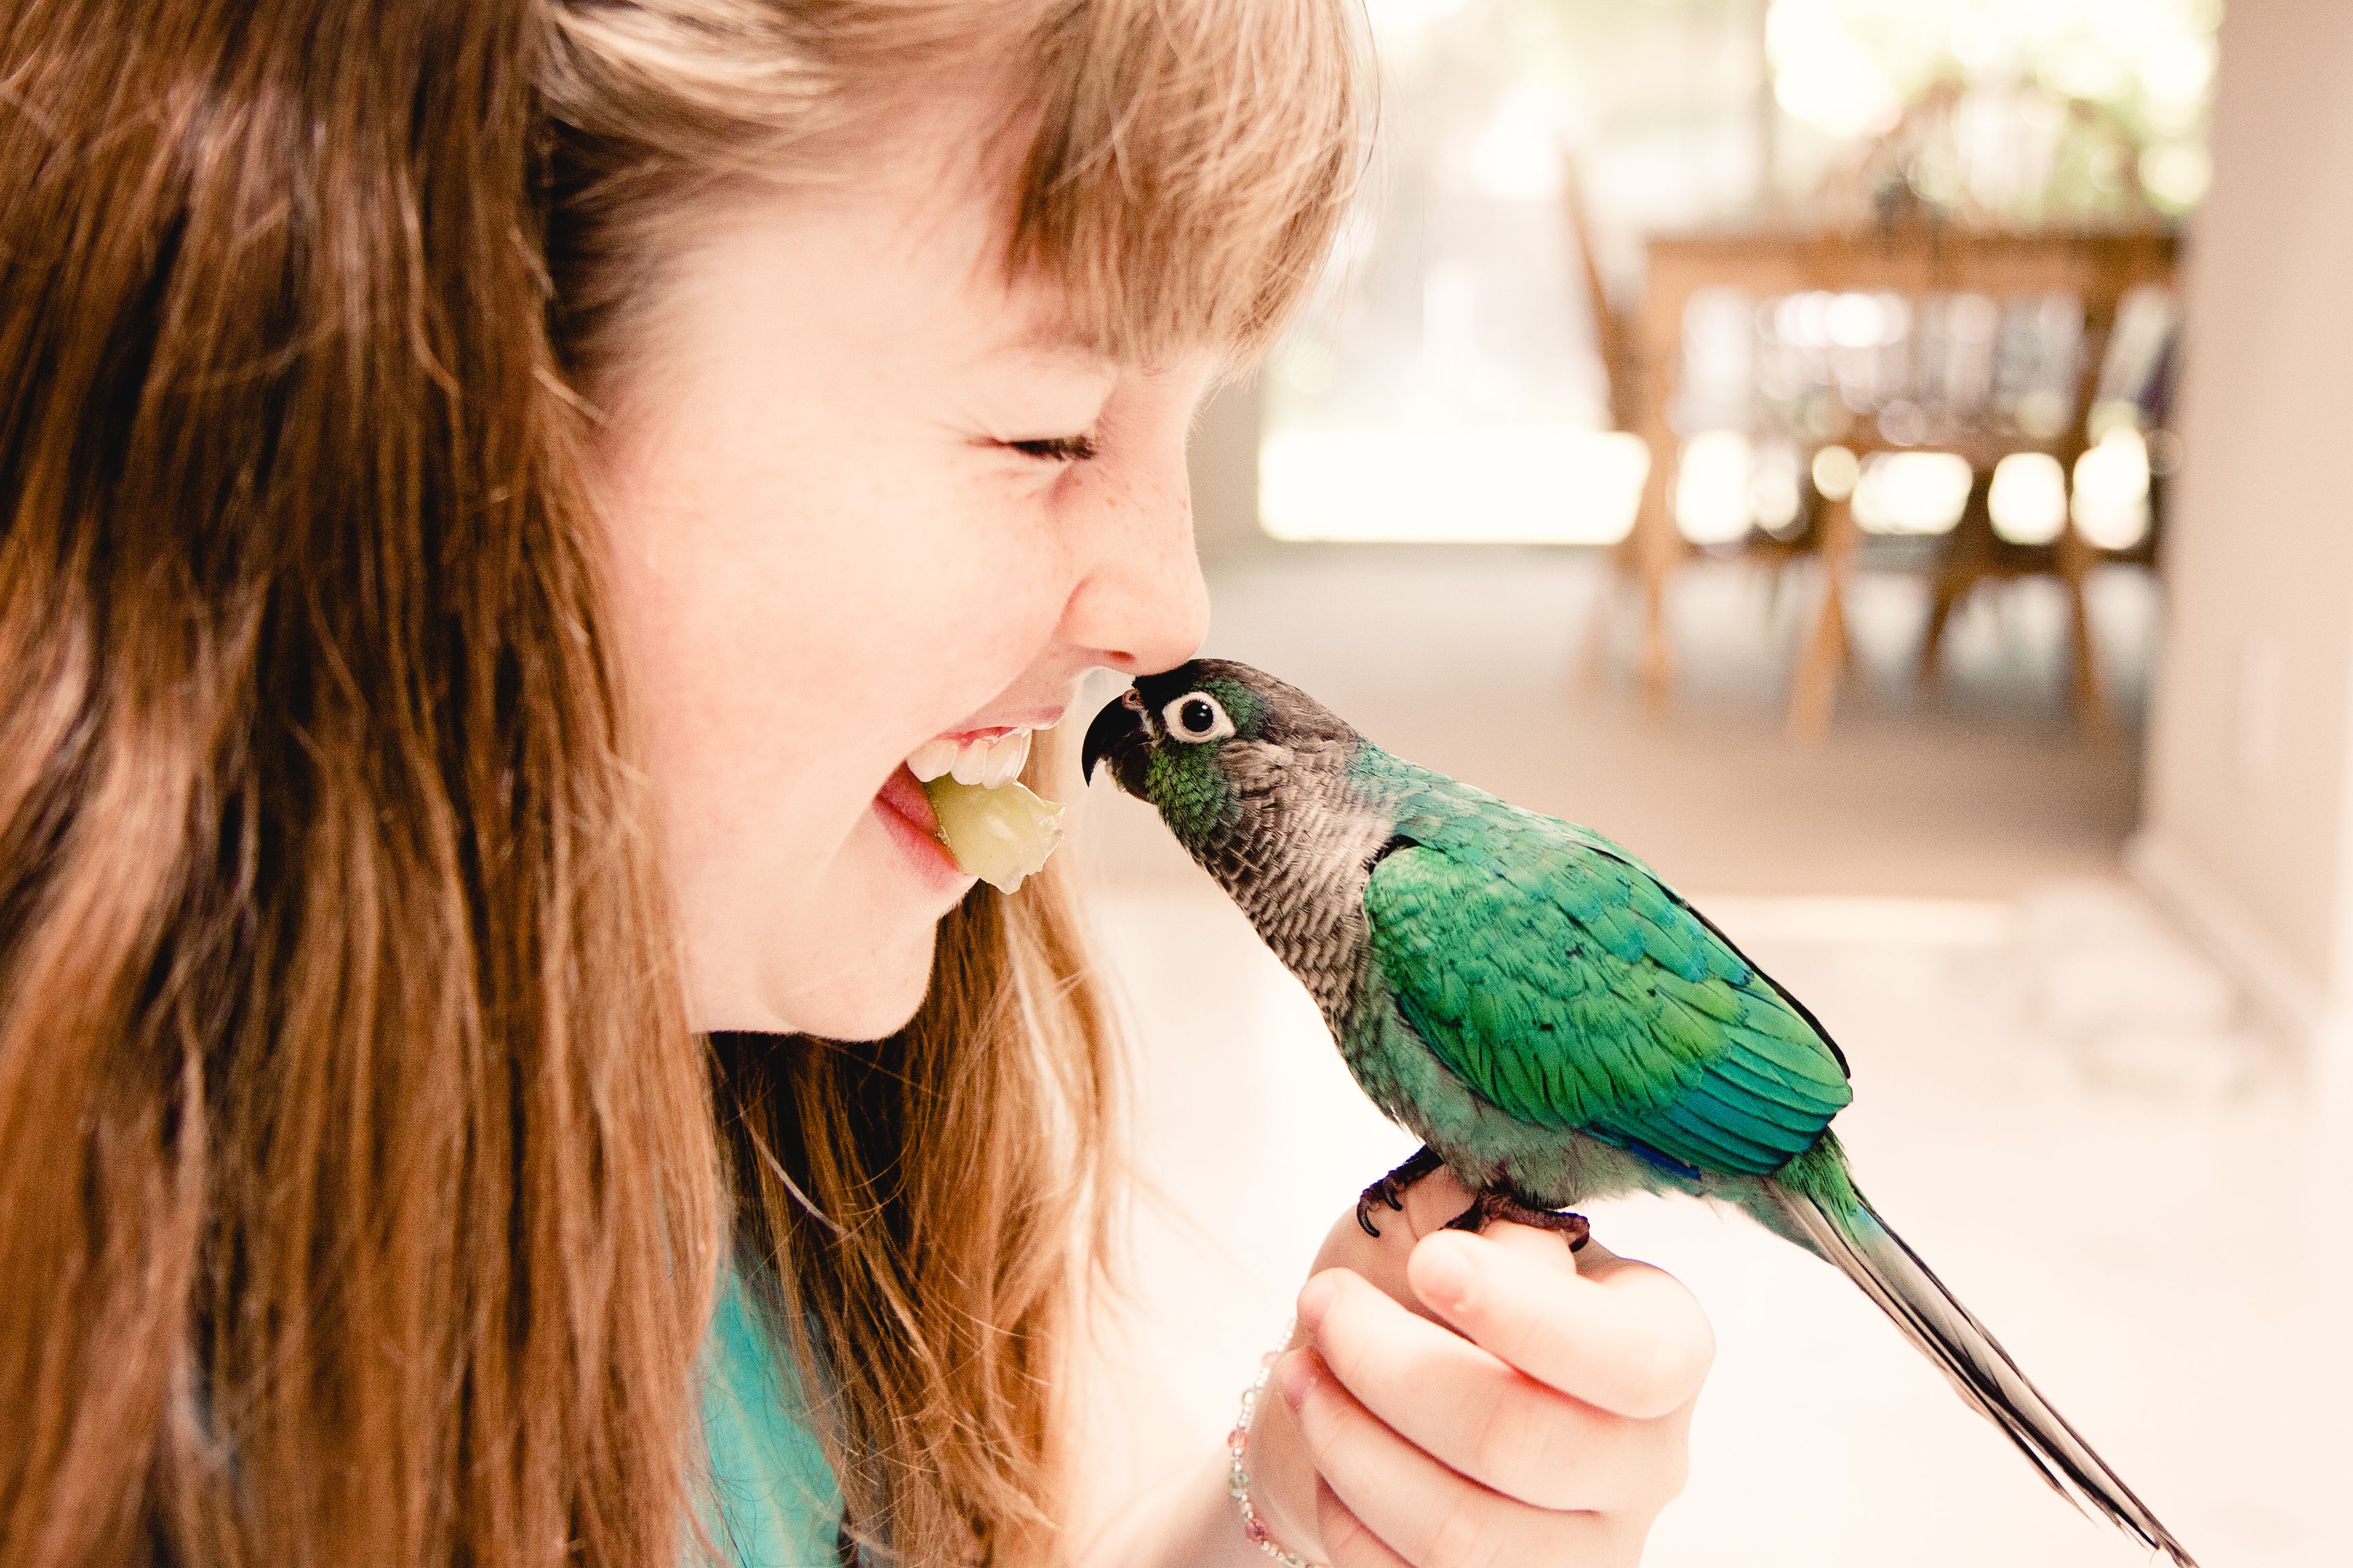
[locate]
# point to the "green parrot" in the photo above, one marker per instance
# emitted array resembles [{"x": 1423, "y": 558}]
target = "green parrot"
[{"x": 1550, "y": 1019}]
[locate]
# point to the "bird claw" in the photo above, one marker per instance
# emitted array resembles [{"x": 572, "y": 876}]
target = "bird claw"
[
  {"x": 1493, "y": 1206},
  {"x": 1391, "y": 1189}
]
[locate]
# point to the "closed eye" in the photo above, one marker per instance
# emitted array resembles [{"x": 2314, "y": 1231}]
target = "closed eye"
[{"x": 1056, "y": 448}]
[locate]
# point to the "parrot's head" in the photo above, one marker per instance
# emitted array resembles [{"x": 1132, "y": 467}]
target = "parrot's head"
[{"x": 1224, "y": 752}]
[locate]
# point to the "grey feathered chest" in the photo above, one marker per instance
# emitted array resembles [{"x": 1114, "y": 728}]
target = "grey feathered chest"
[{"x": 1296, "y": 859}]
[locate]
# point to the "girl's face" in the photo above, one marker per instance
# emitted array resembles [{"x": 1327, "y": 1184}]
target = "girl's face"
[{"x": 863, "y": 496}]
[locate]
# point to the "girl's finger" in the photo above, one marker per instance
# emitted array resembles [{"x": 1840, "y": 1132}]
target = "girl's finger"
[
  {"x": 1627, "y": 1338},
  {"x": 1347, "y": 1543},
  {"x": 1423, "y": 1511},
  {"x": 1484, "y": 1418}
]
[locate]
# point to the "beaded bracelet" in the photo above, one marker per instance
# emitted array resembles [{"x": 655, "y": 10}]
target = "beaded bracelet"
[{"x": 1237, "y": 1480}]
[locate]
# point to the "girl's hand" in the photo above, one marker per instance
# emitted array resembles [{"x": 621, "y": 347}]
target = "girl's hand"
[{"x": 1454, "y": 1401}]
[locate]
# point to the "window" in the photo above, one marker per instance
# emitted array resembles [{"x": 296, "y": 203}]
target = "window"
[{"x": 1445, "y": 382}]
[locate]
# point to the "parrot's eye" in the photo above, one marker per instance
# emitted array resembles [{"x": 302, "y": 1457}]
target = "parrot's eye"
[{"x": 1197, "y": 717}]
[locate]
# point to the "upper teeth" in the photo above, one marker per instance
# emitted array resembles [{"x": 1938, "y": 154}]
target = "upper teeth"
[{"x": 982, "y": 761}]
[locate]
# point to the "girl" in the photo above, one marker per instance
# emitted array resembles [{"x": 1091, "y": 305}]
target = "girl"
[{"x": 495, "y": 492}]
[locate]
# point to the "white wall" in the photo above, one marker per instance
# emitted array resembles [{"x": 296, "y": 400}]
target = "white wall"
[
  {"x": 2248, "y": 829},
  {"x": 1223, "y": 459}
]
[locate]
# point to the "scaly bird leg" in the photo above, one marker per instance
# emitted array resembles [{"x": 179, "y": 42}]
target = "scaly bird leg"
[
  {"x": 1493, "y": 1206},
  {"x": 1391, "y": 1189}
]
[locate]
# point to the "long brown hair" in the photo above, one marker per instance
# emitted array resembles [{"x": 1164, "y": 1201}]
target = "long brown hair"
[
  {"x": 357, "y": 1176},
  {"x": 358, "y": 1188}
]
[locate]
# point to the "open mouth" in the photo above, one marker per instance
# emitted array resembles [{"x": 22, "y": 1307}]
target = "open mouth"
[
  {"x": 986, "y": 820},
  {"x": 956, "y": 807}
]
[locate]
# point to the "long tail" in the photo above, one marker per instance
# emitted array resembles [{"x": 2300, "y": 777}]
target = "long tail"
[{"x": 1822, "y": 1211}]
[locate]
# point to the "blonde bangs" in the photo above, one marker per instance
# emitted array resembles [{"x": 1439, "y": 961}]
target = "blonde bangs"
[{"x": 1191, "y": 162}]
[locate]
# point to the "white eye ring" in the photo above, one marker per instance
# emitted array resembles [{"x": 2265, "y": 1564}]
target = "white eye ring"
[{"x": 1186, "y": 720}]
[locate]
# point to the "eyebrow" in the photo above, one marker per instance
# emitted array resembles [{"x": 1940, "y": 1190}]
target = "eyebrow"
[
  {"x": 1043, "y": 351},
  {"x": 1052, "y": 340},
  {"x": 1043, "y": 331}
]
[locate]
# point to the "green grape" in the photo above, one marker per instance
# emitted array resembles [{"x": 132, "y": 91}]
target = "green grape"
[{"x": 1000, "y": 835}]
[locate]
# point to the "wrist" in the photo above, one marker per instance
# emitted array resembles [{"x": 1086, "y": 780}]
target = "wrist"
[{"x": 1270, "y": 1477}]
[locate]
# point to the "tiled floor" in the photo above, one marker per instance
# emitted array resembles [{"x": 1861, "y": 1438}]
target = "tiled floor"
[{"x": 2060, "y": 1103}]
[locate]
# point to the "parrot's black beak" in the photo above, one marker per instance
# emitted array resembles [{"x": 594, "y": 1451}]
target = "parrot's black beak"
[{"x": 1120, "y": 733}]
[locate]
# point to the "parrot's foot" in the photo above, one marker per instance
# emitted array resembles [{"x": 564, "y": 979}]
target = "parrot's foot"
[
  {"x": 1391, "y": 1189},
  {"x": 1493, "y": 1206}
]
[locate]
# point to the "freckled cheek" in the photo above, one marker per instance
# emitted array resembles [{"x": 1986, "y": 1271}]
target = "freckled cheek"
[
  {"x": 958, "y": 647},
  {"x": 975, "y": 596},
  {"x": 713, "y": 656},
  {"x": 745, "y": 674},
  {"x": 791, "y": 646}
]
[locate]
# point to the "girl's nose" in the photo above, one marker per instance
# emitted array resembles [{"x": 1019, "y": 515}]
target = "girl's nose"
[{"x": 1140, "y": 604}]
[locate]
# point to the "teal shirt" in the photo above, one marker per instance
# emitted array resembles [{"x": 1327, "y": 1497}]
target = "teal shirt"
[{"x": 772, "y": 1503}]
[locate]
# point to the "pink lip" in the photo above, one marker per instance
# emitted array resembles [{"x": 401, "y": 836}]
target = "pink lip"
[
  {"x": 1034, "y": 719},
  {"x": 907, "y": 816}
]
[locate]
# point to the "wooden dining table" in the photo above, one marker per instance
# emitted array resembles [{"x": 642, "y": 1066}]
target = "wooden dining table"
[{"x": 1913, "y": 258}]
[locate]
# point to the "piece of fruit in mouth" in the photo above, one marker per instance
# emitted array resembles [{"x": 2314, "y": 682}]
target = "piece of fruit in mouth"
[
  {"x": 1002, "y": 836},
  {"x": 994, "y": 827}
]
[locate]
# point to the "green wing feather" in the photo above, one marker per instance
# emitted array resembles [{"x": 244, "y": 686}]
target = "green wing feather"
[{"x": 1569, "y": 986}]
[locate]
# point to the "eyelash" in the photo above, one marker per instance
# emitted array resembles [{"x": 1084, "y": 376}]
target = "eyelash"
[{"x": 1056, "y": 448}]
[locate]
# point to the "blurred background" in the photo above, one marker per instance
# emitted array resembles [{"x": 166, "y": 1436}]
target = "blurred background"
[{"x": 1883, "y": 461}]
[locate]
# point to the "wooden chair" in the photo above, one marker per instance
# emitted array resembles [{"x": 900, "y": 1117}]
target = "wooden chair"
[
  {"x": 1914, "y": 260},
  {"x": 1871, "y": 230},
  {"x": 1976, "y": 553}
]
